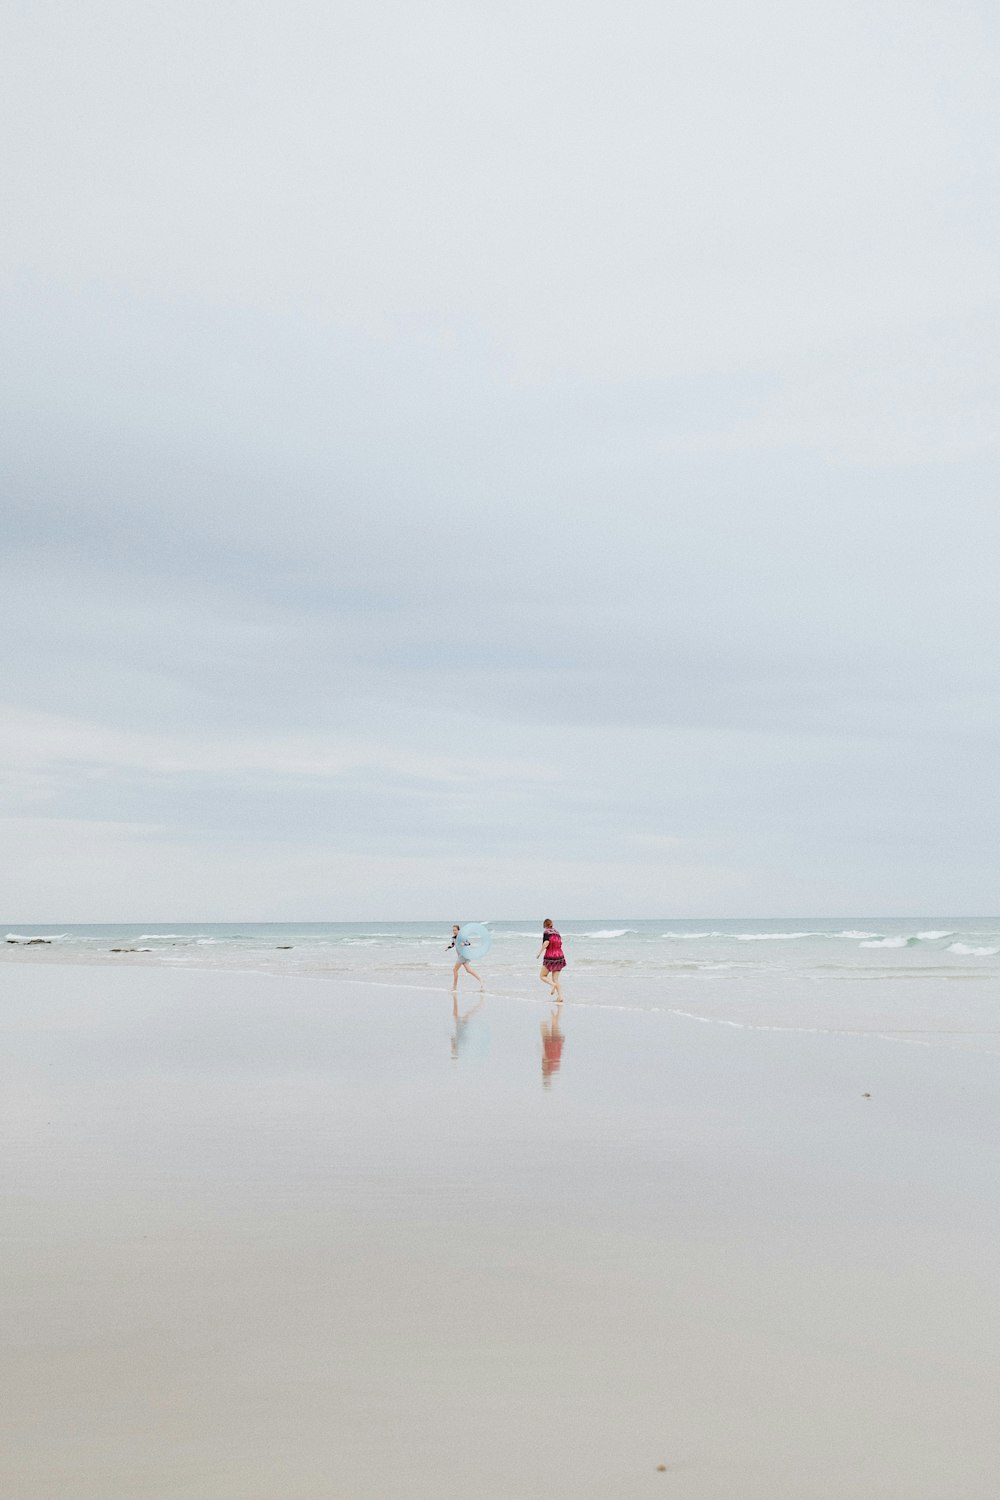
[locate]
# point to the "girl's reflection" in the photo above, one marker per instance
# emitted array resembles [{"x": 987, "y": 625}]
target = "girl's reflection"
[
  {"x": 552, "y": 1046},
  {"x": 460, "y": 1035}
]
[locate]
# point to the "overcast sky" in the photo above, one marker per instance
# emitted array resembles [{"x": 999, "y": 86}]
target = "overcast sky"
[{"x": 485, "y": 457}]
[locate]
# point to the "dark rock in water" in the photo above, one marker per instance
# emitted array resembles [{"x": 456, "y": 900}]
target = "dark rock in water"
[
  {"x": 30, "y": 942},
  {"x": 283, "y": 947}
]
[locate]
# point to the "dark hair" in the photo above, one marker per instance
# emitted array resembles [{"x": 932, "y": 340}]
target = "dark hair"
[{"x": 547, "y": 922}]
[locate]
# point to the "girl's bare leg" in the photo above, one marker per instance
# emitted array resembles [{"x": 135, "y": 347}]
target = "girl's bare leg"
[
  {"x": 454, "y": 977},
  {"x": 555, "y": 985},
  {"x": 475, "y": 976},
  {"x": 545, "y": 977}
]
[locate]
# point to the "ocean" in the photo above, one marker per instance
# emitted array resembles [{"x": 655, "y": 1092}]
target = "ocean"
[{"x": 930, "y": 981}]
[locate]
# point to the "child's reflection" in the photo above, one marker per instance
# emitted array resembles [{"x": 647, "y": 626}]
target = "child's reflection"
[
  {"x": 461, "y": 1020},
  {"x": 552, "y": 1046}
]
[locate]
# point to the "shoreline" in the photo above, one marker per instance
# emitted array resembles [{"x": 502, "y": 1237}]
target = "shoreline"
[{"x": 668, "y": 1006}]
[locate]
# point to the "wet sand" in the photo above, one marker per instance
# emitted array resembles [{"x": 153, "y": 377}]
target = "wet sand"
[{"x": 281, "y": 1239}]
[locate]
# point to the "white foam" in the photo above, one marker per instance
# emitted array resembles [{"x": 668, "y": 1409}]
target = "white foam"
[
  {"x": 972, "y": 952},
  {"x": 892, "y": 942},
  {"x": 760, "y": 937},
  {"x": 850, "y": 933},
  {"x": 685, "y": 936},
  {"x": 932, "y": 937},
  {"x": 149, "y": 937},
  {"x": 38, "y": 937},
  {"x": 610, "y": 932}
]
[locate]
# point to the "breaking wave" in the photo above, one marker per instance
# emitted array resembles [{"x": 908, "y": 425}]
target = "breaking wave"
[
  {"x": 760, "y": 937},
  {"x": 40, "y": 937},
  {"x": 609, "y": 932}
]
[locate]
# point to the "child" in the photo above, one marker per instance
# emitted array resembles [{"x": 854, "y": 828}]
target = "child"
[
  {"x": 461, "y": 963},
  {"x": 554, "y": 961}
]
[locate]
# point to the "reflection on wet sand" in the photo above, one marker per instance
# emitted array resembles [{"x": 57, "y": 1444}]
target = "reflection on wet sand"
[
  {"x": 460, "y": 1036},
  {"x": 552, "y": 1046}
]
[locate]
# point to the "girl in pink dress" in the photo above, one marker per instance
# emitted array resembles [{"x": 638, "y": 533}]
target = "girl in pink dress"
[{"x": 554, "y": 961}]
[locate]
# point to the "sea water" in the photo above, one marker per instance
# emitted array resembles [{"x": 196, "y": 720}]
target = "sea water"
[{"x": 931, "y": 981}]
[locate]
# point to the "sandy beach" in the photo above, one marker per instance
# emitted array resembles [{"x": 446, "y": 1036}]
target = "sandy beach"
[{"x": 282, "y": 1239}]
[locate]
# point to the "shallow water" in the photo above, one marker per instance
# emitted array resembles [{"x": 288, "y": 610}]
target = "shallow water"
[{"x": 926, "y": 980}]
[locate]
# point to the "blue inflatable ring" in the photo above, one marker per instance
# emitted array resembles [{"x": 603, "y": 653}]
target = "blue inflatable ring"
[{"x": 473, "y": 942}]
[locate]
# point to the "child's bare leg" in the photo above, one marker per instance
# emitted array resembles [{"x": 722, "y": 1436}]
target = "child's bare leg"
[
  {"x": 475, "y": 976},
  {"x": 555, "y": 985},
  {"x": 454, "y": 977},
  {"x": 545, "y": 977}
]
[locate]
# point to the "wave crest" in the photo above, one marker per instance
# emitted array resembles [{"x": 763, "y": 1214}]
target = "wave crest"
[
  {"x": 608, "y": 932},
  {"x": 760, "y": 937},
  {"x": 687, "y": 936},
  {"x": 37, "y": 937}
]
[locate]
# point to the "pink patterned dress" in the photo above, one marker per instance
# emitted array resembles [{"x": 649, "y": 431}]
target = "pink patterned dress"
[{"x": 554, "y": 959}]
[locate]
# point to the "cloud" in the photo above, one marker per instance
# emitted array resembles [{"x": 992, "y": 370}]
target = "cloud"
[
  {"x": 926, "y": 398},
  {"x": 596, "y": 193},
  {"x": 563, "y": 446}
]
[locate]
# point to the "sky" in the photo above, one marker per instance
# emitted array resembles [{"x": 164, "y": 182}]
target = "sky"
[{"x": 500, "y": 457}]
